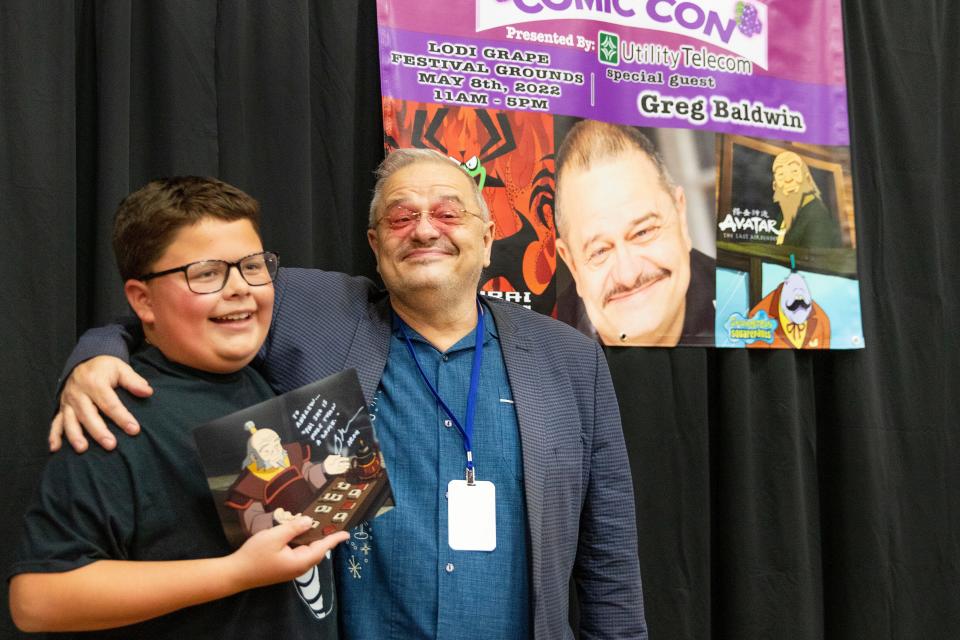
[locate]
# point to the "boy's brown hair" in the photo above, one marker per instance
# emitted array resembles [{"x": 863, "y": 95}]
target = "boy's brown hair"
[{"x": 148, "y": 218}]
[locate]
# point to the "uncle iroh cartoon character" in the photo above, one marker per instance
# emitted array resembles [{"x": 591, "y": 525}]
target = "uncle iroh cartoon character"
[
  {"x": 278, "y": 480},
  {"x": 806, "y": 220}
]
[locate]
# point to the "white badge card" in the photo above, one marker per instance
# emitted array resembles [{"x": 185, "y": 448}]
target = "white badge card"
[{"x": 472, "y": 515}]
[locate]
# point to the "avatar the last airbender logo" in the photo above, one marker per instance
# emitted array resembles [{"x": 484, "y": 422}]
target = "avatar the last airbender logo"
[{"x": 510, "y": 155}]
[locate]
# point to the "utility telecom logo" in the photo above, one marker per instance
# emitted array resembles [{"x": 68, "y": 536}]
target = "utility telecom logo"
[{"x": 608, "y": 48}]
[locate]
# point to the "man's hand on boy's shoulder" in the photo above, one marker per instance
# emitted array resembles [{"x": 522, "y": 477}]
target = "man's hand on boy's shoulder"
[{"x": 90, "y": 390}]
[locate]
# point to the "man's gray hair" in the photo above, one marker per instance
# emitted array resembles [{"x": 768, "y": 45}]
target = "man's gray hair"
[
  {"x": 592, "y": 140},
  {"x": 400, "y": 158}
]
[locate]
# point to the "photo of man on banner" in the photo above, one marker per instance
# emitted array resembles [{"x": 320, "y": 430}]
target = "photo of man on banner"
[{"x": 624, "y": 234}]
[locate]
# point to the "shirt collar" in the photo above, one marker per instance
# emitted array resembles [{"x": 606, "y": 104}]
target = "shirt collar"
[{"x": 466, "y": 342}]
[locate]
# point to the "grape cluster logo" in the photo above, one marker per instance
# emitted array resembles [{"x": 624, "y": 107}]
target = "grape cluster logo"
[{"x": 748, "y": 22}]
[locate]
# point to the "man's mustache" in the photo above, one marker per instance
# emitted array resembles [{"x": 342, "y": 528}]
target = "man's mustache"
[
  {"x": 798, "y": 304},
  {"x": 440, "y": 243},
  {"x": 645, "y": 278}
]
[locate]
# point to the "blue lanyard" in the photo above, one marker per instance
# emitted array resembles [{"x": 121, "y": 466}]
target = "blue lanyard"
[{"x": 466, "y": 430}]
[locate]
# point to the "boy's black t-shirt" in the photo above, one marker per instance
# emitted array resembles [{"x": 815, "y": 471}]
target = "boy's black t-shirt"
[{"x": 149, "y": 500}]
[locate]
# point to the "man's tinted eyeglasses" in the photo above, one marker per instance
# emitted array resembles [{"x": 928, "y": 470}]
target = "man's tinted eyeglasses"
[{"x": 442, "y": 216}]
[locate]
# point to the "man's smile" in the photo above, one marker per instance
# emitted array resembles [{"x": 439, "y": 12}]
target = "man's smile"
[{"x": 426, "y": 254}]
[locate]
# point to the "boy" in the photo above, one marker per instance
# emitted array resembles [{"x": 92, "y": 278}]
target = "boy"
[{"x": 132, "y": 539}]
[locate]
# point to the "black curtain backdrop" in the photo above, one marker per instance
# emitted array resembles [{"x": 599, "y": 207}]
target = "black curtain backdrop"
[{"x": 779, "y": 494}]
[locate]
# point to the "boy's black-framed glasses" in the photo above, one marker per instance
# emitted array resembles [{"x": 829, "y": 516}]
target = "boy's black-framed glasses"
[{"x": 210, "y": 276}]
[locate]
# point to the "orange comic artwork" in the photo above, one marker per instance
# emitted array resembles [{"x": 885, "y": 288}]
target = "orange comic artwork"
[{"x": 511, "y": 154}]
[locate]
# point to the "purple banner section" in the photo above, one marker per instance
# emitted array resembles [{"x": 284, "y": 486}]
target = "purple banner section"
[
  {"x": 687, "y": 86},
  {"x": 806, "y": 43}
]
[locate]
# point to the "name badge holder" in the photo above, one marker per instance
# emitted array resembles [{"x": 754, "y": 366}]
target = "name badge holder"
[{"x": 471, "y": 503}]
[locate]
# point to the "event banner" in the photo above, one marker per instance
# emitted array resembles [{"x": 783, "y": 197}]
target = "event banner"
[{"x": 659, "y": 172}]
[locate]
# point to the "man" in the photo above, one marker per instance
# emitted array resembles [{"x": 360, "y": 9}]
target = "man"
[
  {"x": 547, "y": 434},
  {"x": 806, "y": 220},
  {"x": 622, "y": 229}
]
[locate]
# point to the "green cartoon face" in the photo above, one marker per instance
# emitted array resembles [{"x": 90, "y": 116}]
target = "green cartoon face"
[{"x": 474, "y": 168}]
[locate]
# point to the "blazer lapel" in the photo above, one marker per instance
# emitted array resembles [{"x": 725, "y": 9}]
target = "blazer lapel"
[{"x": 370, "y": 346}]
